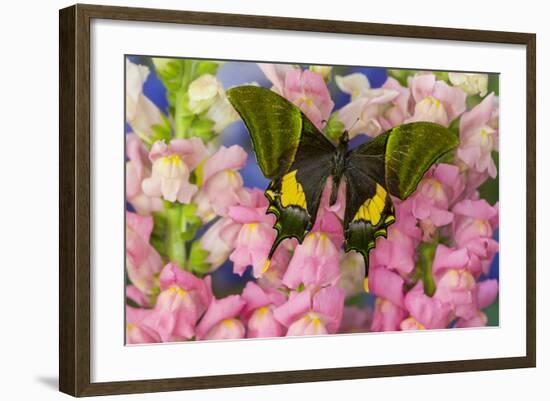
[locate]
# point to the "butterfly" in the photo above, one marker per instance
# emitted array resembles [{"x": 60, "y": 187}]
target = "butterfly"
[{"x": 299, "y": 159}]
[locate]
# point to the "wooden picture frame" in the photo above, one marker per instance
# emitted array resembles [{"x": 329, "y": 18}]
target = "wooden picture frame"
[{"x": 75, "y": 200}]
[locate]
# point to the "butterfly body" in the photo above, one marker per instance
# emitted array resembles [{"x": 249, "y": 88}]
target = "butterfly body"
[{"x": 299, "y": 160}]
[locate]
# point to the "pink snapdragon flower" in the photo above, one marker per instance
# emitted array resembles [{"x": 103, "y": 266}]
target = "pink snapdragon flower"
[
  {"x": 254, "y": 237},
  {"x": 258, "y": 311},
  {"x": 479, "y": 137},
  {"x": 221, "y": 184},
  {"x": 315, "y": 262},
  {"x": 305, "y": 88},
  {"x": 425, "y": 312},
  {"x": 456, "y": 286},
  {"x": 363, "y": 115},
  {"x": 221, "y": 322},
  {"x": 435, "y": 100},
  {"x": 172, "y": 165},
  {"x": 398, "y": 110},
  {"x": 473, "y": 229},
  {"x": 141, "y": 113},
  {"x": 212, "y": 242},
  {"x": 435, "y": 194},
  {"x": 397, "y": 251},
  {"x": 486, "y": 294},
  {"x": 276, "y": 73},
  {"x": 387, "y": 315},
  {"x": 182, "y": 301},
  {"x": 138, "y": 167},
  {"x": 308, "y": 313},
  {"x": 386, "y": 284},
  {"x": 136, "y": 332},
  {"x": 143, "y": 262}
]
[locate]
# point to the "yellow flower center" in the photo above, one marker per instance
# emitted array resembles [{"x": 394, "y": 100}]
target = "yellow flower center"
[{"x": 172, "y": 159}]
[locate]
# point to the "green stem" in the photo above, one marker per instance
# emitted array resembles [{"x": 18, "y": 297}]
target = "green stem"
[
  {"x": 175, "y": 244},
  {"x": 181, "y": 107}
]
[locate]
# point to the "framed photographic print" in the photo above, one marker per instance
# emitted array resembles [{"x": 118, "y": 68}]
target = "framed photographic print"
[{"x": 298, "y": 200}]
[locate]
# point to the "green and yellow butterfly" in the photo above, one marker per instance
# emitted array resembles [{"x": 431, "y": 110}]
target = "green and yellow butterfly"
[{"x": 299, "y": 159}]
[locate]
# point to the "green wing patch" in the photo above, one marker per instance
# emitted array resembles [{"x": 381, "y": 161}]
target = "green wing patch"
[
  {"x": 411, "y": 150},
  {"x": 274, "y": 124}
]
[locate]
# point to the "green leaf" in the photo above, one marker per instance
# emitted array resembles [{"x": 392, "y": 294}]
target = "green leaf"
[
  {"x": 205, "y": 67},
  {"x": 202, "y": 127},
  {"x": 493, "y": 84},
  {"x": 492, "y": 312},
  {"x": 489, "y": 190},
  {"x": 472, "y": 101},
  {"x": 197, "y": 259},
  {"x": 189, "y": 221},
  {"x": 161, "y": 132}
]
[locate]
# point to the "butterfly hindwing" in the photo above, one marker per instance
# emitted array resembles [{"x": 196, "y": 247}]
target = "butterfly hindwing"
[
  {"x": 290, "y": 151},
  {"x": 369, "y": 208}
]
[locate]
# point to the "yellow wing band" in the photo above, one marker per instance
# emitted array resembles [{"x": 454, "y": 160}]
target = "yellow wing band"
[
  {"x": 292, "y": 193},
  {"x": 371, "y": 211}
]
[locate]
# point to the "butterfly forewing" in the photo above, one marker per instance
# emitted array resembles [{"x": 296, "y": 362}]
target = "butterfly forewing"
[{"x": 290, "y": 151}]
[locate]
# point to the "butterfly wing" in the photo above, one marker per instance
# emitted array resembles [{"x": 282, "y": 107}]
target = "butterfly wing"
[
  {"x": 392, "y": 163},
  {"x": 291, "y": 152}
]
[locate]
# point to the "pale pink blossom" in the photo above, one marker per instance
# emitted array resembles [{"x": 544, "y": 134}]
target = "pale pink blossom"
[
  {"x": 486, "y": 293},
  {"x": 315, "y": 262},
  {"x": 306, "y": 89},
  {"x": 473, "y": 229},
  {"x": 136, "y": 331},
  {"x": 429, "y": 312},
  {"x": 435, "y": 101},
  {"x": 258, "y": 311},
  {"x": 363, "y": 115},
  {"x": 276, "y": 73},
  {"x": 141, "y": 113},
  {"x": 206, "y": 94},
  {"x": 479, "y": 137},
  {"x": 221, "y": 322},
  {"x": 308, "y": 313},
  {"x": 212, "y": 242},
  {"x": 221, "y": 184},
  {"x": 172, "y": 165},
  {"x": 138, "y": 167},
  {"x": 182, "y": 301},
  {"x": 435, "y": 194},
  {"x": 253, "y": 238},
  {"x": 472, "y": 84},
  {"x": 386, "y": 284},
  {"x": 397, "y": 251},
  {"x": 135, "y": 294},
  {"x": 387, "y": 315},
  {"x": 479, "y": 319},
  {"x": 398, "y": 110},
  {"x": 143, "y": 262}
]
